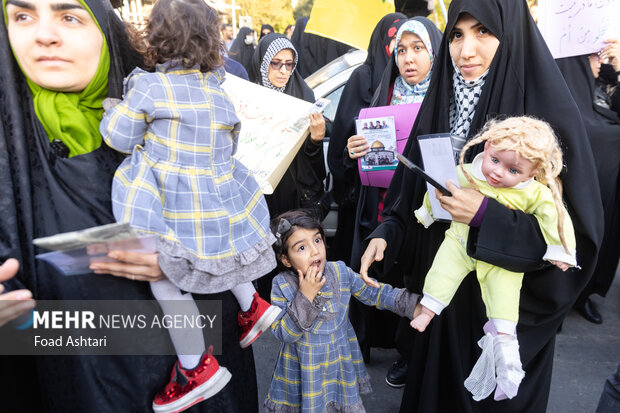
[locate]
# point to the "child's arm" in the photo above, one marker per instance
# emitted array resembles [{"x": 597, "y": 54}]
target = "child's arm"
[
  {"x": 385, "y": 297},
  {"x": 424, "y": 214},
  {"x": 123, "y": 126},
  {"x": 299, "y": 311}
]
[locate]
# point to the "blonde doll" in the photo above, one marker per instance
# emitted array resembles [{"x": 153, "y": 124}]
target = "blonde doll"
[{"x": 519, "y": 168}]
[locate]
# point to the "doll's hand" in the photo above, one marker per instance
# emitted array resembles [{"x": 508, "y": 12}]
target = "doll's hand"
[
  {"x": 561, "y": 265},
  {"x": 311, "y": 283},
  {"x": 357, "y": 146},
  {"x": 317, "y": 127}
]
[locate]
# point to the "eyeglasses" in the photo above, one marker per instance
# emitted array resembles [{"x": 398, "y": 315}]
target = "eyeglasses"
[{"x": 277, "y": 65}]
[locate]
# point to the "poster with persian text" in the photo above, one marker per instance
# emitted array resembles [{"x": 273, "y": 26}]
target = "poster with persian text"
[
  {"x": 273, "y": 128},
  {"x": 578, "y": 27}
]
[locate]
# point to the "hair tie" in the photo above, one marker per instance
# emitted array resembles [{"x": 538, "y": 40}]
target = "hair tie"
[{"x": 283, "y": 227}]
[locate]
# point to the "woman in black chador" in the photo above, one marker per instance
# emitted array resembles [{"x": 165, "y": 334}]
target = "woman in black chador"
[
  {"x": 242, "y": 48},
  {"x": 56, "y": 176},
  {"x": 588, "y": 81},
  {"x": 356, "y": 95},
  {"x": 493, "y": 62}
]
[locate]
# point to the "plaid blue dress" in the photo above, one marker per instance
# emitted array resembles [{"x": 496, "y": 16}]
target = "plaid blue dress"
[
  {"x": 181, "y": 181},
  {"x": 320, "y": 367}
]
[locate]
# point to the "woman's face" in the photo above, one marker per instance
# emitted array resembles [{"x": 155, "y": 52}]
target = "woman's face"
[
  {"x": 57, "y": 42},
  {"x": 472, "y": 47},
  {"x": 414, "y": 61},
  {"x": 279, "y": 77}
]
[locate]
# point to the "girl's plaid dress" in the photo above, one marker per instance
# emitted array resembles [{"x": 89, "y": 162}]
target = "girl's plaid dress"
[
  {"x": 320, "y": 367},
  {"x": 181, "y": 181}
]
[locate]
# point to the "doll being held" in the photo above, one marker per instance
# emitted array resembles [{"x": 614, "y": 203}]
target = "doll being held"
[{"x": 519, "y": 168}]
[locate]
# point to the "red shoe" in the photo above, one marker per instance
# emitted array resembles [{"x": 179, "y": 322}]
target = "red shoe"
[
  {"x": 257, "y": 319},
  {"x": 188, "y": 387}
]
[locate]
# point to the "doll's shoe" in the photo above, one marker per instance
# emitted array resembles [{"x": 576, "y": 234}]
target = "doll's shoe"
[
  {"x": 257, "y": 319},
  {"x": 188, "y": 387},
  {"x": 507, "y": 366}
]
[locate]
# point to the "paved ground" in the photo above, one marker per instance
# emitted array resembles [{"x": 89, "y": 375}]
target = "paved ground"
[{"x": 585, "y": 355}]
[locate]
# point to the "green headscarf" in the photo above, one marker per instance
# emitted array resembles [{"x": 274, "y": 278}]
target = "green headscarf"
[{"x": 73, "y": 117}]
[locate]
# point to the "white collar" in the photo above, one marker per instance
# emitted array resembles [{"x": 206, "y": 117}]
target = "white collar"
[{"x": 476, "y": 171}]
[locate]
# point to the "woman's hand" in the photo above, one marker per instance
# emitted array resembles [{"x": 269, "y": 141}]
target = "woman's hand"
[
  {"x": 14, "y": 303},
  {"x": 311, "y": 283},
  {"x": 374, "y": 252},
  {"x": 357, "y": 146},
  {"x": 611, "y": 53},
  {"x": 136, "y": 266},
  {"x": 317, "y": 127},
  {"x": 462, "y": 205}
]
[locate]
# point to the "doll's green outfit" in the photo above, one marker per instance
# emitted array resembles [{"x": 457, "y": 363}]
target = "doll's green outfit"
[{"x": 500, "y": 288}]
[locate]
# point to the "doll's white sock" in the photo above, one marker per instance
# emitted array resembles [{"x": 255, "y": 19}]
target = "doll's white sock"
[
  {"x": 188, "y": 342},
  {"x": 244, "y": 293}
]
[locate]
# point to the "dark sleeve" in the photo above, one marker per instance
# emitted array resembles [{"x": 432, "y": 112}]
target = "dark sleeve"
[
  {"x": 310, "y": 172},
  {"x": 355, "y": 96},
  {"x": 507, "y": 238}
]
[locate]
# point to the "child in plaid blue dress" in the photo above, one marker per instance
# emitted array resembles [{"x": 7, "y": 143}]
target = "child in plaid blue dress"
[
  {"x": 182, "y": 184},
  {"x": 320, "y": 367}
]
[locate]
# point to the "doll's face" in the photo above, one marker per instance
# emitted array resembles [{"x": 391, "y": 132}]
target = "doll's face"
[
  {"x": 305, "y": 248},
  {"x": 472, "y": 47},
  {"x": 414, "y": 61},
  {"x": 505, "y": 169},
  {"x": 57, "y": 42}
]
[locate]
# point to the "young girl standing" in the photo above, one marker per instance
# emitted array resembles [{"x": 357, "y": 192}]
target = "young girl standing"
[
  {"x": 320, "y": 365},
  {"x": 182, "y": 184},
  {"x": 519, "y": 167}
]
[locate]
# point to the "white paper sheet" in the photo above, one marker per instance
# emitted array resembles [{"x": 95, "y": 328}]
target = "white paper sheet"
[{"x": 438, "y": 158}]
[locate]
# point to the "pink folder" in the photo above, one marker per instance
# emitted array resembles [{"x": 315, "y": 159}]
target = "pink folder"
[{"x": 404, "y": 117}]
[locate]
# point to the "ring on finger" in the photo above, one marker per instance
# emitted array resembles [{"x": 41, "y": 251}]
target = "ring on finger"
[{"x": 352, "y": 152}]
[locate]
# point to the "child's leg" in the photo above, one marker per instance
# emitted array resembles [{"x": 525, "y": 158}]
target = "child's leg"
[
  {"x": 244, "y": 293},
  {"x": 165, "y": 292},
  {"x": 256, "y": 314},
  {"x": 450, "y": 266}
]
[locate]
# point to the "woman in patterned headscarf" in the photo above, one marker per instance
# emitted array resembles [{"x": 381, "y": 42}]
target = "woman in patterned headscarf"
[
  {"x": 404, "y": 80},
  {"x": 274, "y": 66}
]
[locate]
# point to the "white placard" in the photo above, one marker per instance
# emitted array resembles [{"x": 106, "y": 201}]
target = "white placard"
[{"x": 578, "y": 27}]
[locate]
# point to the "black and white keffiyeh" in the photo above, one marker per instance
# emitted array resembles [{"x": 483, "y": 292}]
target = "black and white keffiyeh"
[
  {"x": 274, "y": 48},
  {"x": 463, "y": 106}
]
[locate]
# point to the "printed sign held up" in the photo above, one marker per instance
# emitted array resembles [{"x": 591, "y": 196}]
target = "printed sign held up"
[{"x": 268, "y": 140}]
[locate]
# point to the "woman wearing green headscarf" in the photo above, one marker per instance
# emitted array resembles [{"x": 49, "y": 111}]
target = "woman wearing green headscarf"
[{"x": 60, "y": 59}]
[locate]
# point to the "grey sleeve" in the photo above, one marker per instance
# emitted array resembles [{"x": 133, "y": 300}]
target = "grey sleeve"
[
  {"x": 303, "y": 312},
  {"x": 405, "y": 303}
]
